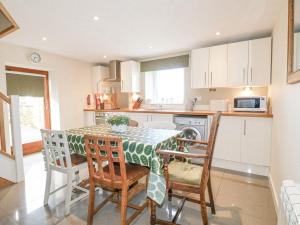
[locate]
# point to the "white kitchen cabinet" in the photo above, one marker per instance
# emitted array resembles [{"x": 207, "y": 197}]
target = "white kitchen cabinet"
[
  {"x": 296, "y": 51},
  {"x": 130, "y": 76},
  {"x": 228, "y": 142},
  {"x": 238, "y": 64},
  {"x": 139, "y": 117},
  {"x": 256, "y": 141},
  {"x": 199, "y": 68},
  {"x": 218, "y": 66},
  {"x": 162, "y": 117},
  {"x": 98, "y": 74},
  {"x": 259, "y": 70},
  {"x": 244, "y": 140}
]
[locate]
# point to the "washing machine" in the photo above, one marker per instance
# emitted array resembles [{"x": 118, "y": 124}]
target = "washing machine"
[{"x": 194, "y": 127}]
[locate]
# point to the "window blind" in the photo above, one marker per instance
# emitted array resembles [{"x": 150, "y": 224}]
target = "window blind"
[
  {"x": 25, "y": 85},
  {"x": 165, "y": 63}
]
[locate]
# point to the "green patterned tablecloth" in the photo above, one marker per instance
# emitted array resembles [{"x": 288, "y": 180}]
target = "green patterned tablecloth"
[{"x": 140, "y": 145}]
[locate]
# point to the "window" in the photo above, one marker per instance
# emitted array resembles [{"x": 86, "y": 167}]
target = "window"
[{"x": 165, "y": 86}]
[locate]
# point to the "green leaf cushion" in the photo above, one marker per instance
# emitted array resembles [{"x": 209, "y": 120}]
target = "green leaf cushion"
[{"x": 186, "y": 173}]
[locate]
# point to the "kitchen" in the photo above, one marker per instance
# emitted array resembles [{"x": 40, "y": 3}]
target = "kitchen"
[{"x": 224, "y": 78}]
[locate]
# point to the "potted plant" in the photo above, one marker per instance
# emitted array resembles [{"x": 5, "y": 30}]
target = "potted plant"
[{"x": 118, "y": 123}]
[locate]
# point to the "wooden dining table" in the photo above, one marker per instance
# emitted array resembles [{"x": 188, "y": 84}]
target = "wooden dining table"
[{"x": 140, "y": 146}]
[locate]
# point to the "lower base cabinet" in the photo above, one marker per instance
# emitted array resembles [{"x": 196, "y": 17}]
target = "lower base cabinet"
[
  {"x": 148, "y": 117},
  {"x": 244, "y": 140}
]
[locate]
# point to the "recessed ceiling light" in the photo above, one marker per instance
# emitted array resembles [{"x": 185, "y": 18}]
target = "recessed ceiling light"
[
  {"x": 104, "y": 56},
  {"x": 44, "y": 38},
  {"x": 150, "y": 47},
  {"x": 218, "y": 33},
  {"x": 96, "y": 18}
]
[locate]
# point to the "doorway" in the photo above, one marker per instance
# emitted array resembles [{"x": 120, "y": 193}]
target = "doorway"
[{"x": 33, "y": 88}]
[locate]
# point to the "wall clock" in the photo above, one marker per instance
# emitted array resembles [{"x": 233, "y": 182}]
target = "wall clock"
[{"x": 35, "y": 58}]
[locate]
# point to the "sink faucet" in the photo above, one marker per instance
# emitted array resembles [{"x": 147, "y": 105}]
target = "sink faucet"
[{"x": 160, "y": 106}]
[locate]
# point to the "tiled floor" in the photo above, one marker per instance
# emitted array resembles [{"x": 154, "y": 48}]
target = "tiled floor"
[{"x": 239, "y": 199}]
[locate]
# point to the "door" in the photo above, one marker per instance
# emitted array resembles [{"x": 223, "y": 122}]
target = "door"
[
  {"x": 259, "y": 62},
  {"x": 228, "y": 142},
  {"x": 218, "y": 66},
  {"x": 199, "y": 68},
  {"x": 238, "y": 64},
  {"x": 32, "y": 87},
  {"x": 256, "y": 141}
]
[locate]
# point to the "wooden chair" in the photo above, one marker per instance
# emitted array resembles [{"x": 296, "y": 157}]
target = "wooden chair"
[
  {"x": 112, "y": 173},
  {"x": 133, "y": 123},
  {"x": 187, "y": 177},
  {"x": 58, "y": 158}
]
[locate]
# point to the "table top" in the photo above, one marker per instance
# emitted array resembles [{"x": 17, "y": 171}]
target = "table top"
[{"x": 148, "y": 136}]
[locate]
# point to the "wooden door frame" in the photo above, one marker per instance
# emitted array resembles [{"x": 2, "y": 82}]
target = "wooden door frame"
[{"x": 32, "y": 147}]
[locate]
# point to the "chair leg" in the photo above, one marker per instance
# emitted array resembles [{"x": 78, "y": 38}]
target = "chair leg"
[
  {"x": 211, "y": 197},
  {"x": 203, "y": 211},
  {"x": 153, "y": 212},
  {"x": 170, "y": 192},
  {"x": 124, "y": 205},
  {"x": 48, "y": 186},
  {"x": 91, "y": 204},
  {"x": 69, "y": 193}
]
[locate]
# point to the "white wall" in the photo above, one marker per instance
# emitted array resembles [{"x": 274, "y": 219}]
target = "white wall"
[
  {"x": 285, "y": 158},
  {"x": 70, "y": 82}
]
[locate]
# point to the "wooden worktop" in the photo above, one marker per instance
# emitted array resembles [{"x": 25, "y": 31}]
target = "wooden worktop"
[{"x": 184, "y": 112}]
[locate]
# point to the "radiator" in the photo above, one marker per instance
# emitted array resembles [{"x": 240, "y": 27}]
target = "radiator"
[{"x": 289, "y": 212}]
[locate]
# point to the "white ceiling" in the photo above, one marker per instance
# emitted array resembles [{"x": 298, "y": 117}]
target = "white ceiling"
[{"x": 127, "y": 28}]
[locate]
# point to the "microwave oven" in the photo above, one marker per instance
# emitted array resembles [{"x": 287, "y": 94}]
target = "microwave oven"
[{"x": 250, "y": 104}]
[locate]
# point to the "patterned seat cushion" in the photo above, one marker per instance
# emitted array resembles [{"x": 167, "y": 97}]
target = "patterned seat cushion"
[{"x": 186, "y": 173}]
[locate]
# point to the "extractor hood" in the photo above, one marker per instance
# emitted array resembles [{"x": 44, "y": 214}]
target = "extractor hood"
[{"x": 114, "y": 71}]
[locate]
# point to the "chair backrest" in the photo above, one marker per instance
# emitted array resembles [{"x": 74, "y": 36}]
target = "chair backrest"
[
  {"x": 160, "y": 125},
  {"x": 133, "y": 123},
  {"x": 210, "y": 148},
  {"x": 105, "y": 150},
  {"x": 56, "y": 149}
]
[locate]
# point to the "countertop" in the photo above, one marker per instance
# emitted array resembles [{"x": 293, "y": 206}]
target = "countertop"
[{"x": 184, "y": 112}]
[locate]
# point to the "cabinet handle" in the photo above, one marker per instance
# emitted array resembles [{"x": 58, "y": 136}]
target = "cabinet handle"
[
  {"x": 245, "y": 127},
  {"x": 205, "y": 78},
  {"x": 210, "y": 78},
  {"x": 251, "y": 75}
]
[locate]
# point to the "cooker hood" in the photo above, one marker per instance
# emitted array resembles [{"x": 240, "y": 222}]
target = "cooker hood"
[{"x": 114, "y": 71}]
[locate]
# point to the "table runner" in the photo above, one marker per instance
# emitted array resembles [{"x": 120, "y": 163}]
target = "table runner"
[{"x": 139, "y": 145}]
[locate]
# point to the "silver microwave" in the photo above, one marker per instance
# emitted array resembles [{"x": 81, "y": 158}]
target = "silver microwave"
[{"x": 250, "y": 104}]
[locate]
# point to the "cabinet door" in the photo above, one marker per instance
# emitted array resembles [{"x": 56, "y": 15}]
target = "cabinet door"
[
  {"x": 237, "y": 64},
  {"x": 199, "y": 68},
  {"x": 125, "y": 77},
  {"x": 297, "y": 51},
  {"x": 259, "y": 62},
  {"x": 162, "y": 117},
  {"x": 136, "y": 74},
  {"x": 256, "y": 141},
  {"x": 130, "y": 76},
  {"x": 139, "y": 117},
  {"x": 98, "y": 74},
  {"x": 228, "y": 142},
  {"x": 218, "y": 66}
]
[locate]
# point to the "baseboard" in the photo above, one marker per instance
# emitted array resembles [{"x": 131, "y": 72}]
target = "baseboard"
[
  {"x": 241, "y": 167},
  {"x": 274, "y": 194}
]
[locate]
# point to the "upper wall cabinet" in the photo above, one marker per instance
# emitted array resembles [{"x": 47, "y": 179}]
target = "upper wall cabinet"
[
  {"x": 238, "y": 64},
  {"x": 259, "y": 69},
  {"x": 246, "y": 63},
  {"x": 209, "y": 67},
  {"x": 218, "y": 66},
  {"x": 98, "y": 74},
  {"x": 130, "y": 76},
  {"x": 199, "y": 68}
]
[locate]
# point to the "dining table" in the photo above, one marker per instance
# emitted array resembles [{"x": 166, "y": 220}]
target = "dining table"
[{"x": 139, "y": 145}]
